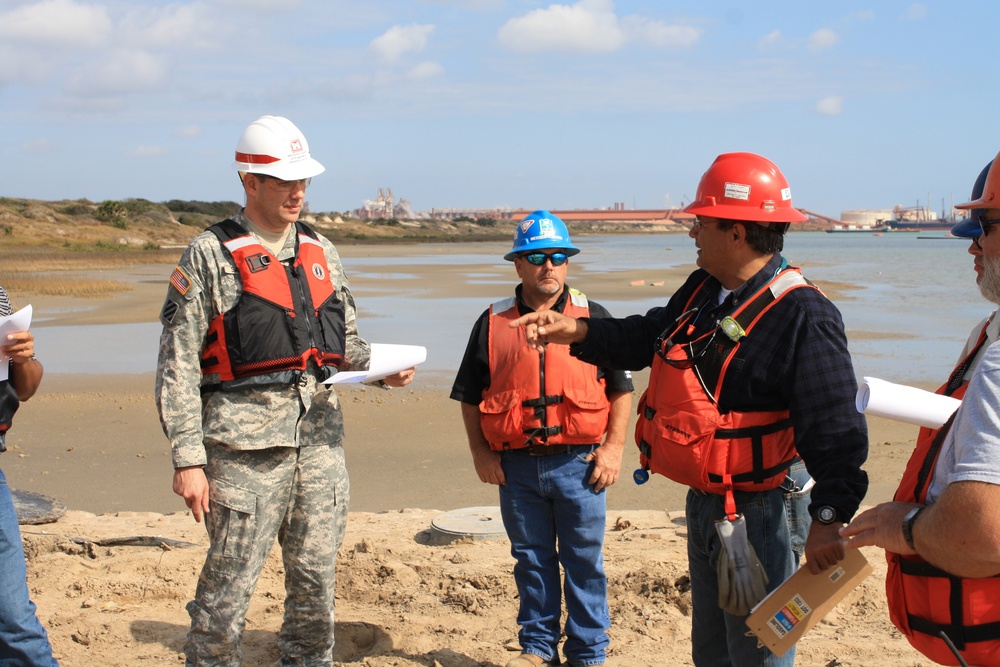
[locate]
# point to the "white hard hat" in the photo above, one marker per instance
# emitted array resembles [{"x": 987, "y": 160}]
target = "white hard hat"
[{"x": 273, "y": 146}]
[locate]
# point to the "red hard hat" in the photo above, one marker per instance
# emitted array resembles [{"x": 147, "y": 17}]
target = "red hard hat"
[
  {"x": 745, "y": 186},
  {"x": 991, "y": 189}
]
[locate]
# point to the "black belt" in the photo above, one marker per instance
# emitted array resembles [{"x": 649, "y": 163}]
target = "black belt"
[{"x": 547, "y": 450}]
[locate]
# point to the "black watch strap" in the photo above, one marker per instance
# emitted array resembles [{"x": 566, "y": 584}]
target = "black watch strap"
[{"x": 908, "y": 521}]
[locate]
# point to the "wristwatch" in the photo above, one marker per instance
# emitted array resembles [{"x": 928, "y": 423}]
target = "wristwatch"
[
  {"x": 826, "y": 515},
  {"x": 908, "y": 521}
]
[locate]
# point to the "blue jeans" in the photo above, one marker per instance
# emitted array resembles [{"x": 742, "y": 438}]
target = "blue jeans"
[
  {"x": 719, "y": 639},
  {"x": 797, "y": 499},
  {"x": 553, "y": 516},
  {"x": 23, "y": 642}
]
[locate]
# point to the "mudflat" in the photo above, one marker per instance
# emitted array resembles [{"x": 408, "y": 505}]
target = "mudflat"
[{"x": 94, "y": 443}]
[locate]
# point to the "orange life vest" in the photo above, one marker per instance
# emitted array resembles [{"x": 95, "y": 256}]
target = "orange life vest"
[
  {"x": 539, "y": 398},
  {"x": 681, "y": 433},
  {"x": 286, "y": 315},
  {"x": 924, "y": 600}
]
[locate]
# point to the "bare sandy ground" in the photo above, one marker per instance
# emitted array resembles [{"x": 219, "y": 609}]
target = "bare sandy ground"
[{"x": 94, "y": 443}]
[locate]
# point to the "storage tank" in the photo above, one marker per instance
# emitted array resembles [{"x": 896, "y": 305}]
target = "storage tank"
[{"x": 866, "y": 217}]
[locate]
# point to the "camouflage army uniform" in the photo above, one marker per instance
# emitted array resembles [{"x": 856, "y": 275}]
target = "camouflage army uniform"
[{"x": 274, "y": 461}]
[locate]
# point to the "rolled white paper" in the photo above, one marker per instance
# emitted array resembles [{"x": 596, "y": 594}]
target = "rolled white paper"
[
  {"x": 386, "y": 359},
  {"x": 905, "y": 404}
]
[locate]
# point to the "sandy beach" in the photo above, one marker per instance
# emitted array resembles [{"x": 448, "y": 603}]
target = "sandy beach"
[{"x": 93, "y": 442}]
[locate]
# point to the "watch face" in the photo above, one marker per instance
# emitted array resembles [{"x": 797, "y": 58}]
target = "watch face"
[{"x": 826, "y": 514}]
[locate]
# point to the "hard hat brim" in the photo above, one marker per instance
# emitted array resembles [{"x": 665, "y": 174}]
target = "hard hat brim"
[
  {"x": 967, "y": 229},
  {"x": 294, "y": 171},
  {"x": 745, "y": 214}
]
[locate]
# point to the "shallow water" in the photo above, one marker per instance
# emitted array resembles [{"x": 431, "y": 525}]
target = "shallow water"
[{"x": 915, "y": 302}]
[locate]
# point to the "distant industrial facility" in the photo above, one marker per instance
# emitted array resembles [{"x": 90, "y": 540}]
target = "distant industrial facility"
[{"x": 385, "y": 206}]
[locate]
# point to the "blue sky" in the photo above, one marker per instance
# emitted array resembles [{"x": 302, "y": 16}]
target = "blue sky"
[{"x": 482, "y": 103}]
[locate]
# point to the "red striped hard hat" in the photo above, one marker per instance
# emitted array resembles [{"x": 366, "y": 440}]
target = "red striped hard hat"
[
  {"x": 745, "y": 186},
  {"x": 273, "y": 146}
]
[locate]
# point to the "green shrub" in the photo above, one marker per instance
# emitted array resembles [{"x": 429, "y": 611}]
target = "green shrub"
[{"x": 114, "y": 213}]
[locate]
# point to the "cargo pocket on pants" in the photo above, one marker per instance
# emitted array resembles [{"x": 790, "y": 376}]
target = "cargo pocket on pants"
[{"x": 235, "y": 517}]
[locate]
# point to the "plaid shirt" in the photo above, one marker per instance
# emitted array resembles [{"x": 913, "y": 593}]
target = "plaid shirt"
[{"x": 795, "y": 359}]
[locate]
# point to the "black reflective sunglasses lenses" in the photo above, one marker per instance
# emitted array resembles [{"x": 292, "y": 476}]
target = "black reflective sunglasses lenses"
[{"x": 539, "y": 258}]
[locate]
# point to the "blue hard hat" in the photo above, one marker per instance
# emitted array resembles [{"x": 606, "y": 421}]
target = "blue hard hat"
[
  {"x": 538, "y": 230},
  {"x": 970, "y": 228}
]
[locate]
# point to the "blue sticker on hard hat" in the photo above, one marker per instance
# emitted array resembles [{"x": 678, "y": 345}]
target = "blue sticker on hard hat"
[{"x": 786, "y": 194}]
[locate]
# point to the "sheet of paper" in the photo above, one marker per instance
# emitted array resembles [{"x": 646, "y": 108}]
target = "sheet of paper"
[
  {"x": 387, "y": 359},
  {"x": 13, "y": 323},
  {"x": 903, "y": 403}
]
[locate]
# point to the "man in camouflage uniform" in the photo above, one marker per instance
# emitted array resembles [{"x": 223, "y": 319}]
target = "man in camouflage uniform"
[{"x": 257, "y": 448}]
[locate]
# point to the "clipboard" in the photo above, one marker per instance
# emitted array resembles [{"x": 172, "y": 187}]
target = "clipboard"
[{"x": 791, "y": 609}]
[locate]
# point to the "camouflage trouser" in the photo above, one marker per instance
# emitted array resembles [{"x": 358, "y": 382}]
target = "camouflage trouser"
[{"x": 299, "y": 496}]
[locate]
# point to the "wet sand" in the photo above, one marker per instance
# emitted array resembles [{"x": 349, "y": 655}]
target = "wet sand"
[{"x": 94, "y": 443}]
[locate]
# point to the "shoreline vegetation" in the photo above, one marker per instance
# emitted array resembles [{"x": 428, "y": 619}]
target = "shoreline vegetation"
[{"x": 42, "y": 243}]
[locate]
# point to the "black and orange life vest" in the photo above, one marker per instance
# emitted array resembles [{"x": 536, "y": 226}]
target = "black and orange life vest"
[
  {"x": 925, "y": 601},
  {"x": 680, "y": 432},
  {"x": 539, "y": 398},
  {"x": 286, "y": 315},
  {"x": 9, "y": 403}
]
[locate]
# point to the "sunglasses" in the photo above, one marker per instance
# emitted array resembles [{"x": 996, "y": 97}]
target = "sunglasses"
[
  {"x": 985, "y": 225},
  {"x": 539, "y": 258}
]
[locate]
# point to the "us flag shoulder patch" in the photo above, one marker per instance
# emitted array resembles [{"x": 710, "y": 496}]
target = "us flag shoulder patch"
[{"x": 180, "y": 281}]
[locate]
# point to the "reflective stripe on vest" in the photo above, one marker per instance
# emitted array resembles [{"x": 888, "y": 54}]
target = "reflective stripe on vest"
[
  {"x": 286, "y": 314},
  {"x": 534, "y": 398},
  {"x": 925, "y": 601}
]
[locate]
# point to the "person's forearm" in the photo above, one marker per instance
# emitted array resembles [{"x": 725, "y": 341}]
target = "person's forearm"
[
  {"x": 960, "y": 533},
  {"x": 618, "y": 344},
  {"x": 26, "y": 377},
  {"x": 618, "y": 416},
  {"x": 473, "y": 429}
]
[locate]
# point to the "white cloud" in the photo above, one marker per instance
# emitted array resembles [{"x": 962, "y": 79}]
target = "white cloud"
[
  {"x": 121, "y": 72},
  {"x": 469, "y": 4},
  {"x": 658, "y": 33},
  {"x": 587, "y": 26},
  {"x": 865, "y": 15},
  {"x": 398, "y": 40},
  {"x": 273, "y": 6},
  {"x": 425, "y": 70},
  {"x": 832, "y": 105},
  {"x": 188, "y": 131},
  {"x": 590, "y": 26},
  {"x": 822, "y": 39},
  {"x": 37, "y": 147},
  {"x": 18, "y": 66},
  {"x": 916, "y": 12},
  {"x": 56, "y": 23},
  {"x": 174, "y": 25},
  {"x": 771, "y": 39},
  {"x": 148, "y": 151}
]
